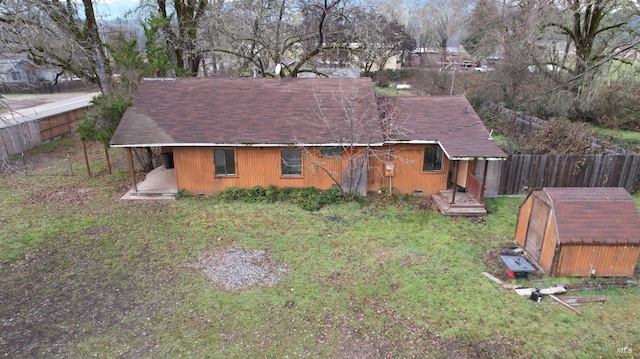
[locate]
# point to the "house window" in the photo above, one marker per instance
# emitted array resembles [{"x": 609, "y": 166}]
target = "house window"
[
  {"x": 432, "y": 159},
  {"x": 225, "y": 162},
  {"x": 291, "y": 161},
  {"x": 334, "y": 151},
  {"x": 15, "y": 75}
]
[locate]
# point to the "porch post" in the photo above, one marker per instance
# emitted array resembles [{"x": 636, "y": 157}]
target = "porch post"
[
  {"x": 132, "y": 171},
  {"x": 455, "y": 181},
  {"x": 484, "y": 181}
]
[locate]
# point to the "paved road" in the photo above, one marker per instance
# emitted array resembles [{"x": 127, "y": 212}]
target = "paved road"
[{"x": 16, "y": 102}]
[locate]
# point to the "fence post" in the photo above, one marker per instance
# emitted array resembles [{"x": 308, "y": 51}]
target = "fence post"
[
  {"x": 70, "y": 164},
  {"x": 86, "y": 158},
  {"x": 24, "y": 164}
]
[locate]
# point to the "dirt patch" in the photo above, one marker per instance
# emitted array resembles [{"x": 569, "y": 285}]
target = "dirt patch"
[
  {"x": 237, "y": 269},
  {"x": 63, "y": 196},
  {"x": 427, "y": 203}
]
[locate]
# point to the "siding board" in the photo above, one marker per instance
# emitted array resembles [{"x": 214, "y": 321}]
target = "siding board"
[
  {"x": 409, "y": 177},
  {"x": 522, "y": 224},
  {"x": 606, "y": 260},
  {"x": 257, "y": 166}
]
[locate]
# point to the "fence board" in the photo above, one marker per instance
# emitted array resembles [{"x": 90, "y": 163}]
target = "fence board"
[{"x": 524, "y": 172}]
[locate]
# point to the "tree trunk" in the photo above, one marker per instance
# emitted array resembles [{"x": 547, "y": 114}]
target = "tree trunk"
[{"x": 100, "y": 64}]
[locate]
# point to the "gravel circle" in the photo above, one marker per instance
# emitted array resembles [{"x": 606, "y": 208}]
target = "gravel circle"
[{"x": 236, "y": 268}]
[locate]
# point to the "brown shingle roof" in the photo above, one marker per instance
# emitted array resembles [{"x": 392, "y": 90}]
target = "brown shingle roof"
[
  {"x": 594, "y": 215},
  {"x": 449, "y": 120},
  {"x": 245, "y": 111},
  {"x": 209, "y": 111}
]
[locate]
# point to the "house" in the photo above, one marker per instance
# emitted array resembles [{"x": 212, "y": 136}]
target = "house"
[
  {"x": 319, "y": 133},
  {"x": 16, "y": 67},
  {"x": 580, "y": 231}
]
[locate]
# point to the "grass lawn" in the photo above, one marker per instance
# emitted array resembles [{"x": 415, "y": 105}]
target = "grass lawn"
[
  {"x": 628, "y": 135},
  {"x": 83, "y": 274}
]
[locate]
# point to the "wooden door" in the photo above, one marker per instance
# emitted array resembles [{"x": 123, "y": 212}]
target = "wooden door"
[{"x": 537, "y": 227}]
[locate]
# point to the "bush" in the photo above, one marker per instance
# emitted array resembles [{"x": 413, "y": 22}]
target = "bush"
[
  {"x": 271, "y": 194},
  {"x": 233, "y": 194},
  {"x": 183, "y": 194},
  {"x": 309, "y": 198},
  {"x": 331, "y": 196}
]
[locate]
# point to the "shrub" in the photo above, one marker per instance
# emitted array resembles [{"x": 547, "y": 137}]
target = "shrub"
[
  {"x": 331, "y": 196},
  {"x": 309, "y": 198},
  {"x": 183, "y": 194},
  {"x": 271, "y": 193},
  {"x": 233, "y": 194}
]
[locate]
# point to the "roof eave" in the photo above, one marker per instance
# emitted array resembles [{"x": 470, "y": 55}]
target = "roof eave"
[{"x": 329, "y": 144}]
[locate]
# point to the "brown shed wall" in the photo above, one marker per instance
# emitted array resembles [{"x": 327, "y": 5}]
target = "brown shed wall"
[
  {"x": 522, "y": 225},
  {"x": 607, "y": 260},
  {"x": 549, "y": 245},
  {"x": 537, "y": 228},
  {"x": 537, "y": 232}
]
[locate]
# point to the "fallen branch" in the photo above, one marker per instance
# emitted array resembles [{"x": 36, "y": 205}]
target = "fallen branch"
[
  {"x": 496, "y": 280},
  {"x": 579, "y": 300},
  {"x": 601, "y": 285},
  {"x": 566, "y": 305}
]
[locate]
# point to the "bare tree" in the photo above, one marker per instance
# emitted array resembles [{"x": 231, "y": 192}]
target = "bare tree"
[
  {"x": 379, "y": 39},
  {"x": 359, "y": 127},
  {"x": 485, "y": 30},
  {"x": 590, "y": 30},
  {"x": 446, "y": 21},
  {"x": 299, "y": 35},
  {"x": 54, "y": 33}
]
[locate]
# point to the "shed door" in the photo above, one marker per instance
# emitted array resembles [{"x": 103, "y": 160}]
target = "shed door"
[{"x": 537, "y": 227}]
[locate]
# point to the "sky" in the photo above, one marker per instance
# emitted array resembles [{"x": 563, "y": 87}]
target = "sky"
[{"x": 111, "y": 9}]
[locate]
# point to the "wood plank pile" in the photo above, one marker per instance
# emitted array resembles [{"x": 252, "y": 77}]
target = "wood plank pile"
[{"x": 536, "y": 294}]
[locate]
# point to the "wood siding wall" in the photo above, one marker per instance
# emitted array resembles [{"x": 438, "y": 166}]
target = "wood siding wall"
[
  {"x": 549, "y": 246},
  {"x": 536, "y": 232},
  {"x": 525, "y": 172},
  {"x": 522, "y": 224},
  {"x": 607, "y": 260},
  {"x": 254, "y": 167},
  {"x": 409, "y": 177},
  {"x": 261, "y": 167}
]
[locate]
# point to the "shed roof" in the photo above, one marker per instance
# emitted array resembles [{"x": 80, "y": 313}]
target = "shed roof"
[
  {"x": 606, "y": 215},
  {"x": 265, "y": 111}
]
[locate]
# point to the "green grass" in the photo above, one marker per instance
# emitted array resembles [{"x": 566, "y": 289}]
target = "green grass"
[
  {"x": 627, "y": 135},
  {"x": 100, "y": 277}
]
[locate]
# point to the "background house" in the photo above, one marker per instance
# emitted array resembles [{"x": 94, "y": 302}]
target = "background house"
[
  {"x": 297, "y": 132},
  {"x": 576, "y": 231},
  {"x": 18, "y": 68}
]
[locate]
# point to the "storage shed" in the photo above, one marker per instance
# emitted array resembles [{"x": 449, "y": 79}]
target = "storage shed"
[{"x": 580, "y": 231}]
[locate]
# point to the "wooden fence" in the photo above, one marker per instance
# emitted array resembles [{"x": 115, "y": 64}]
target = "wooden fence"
[
  {"x": 521, "y": 173},
  {"x": 23, "y": 136},
  {"x": 43, "y": 87}
]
